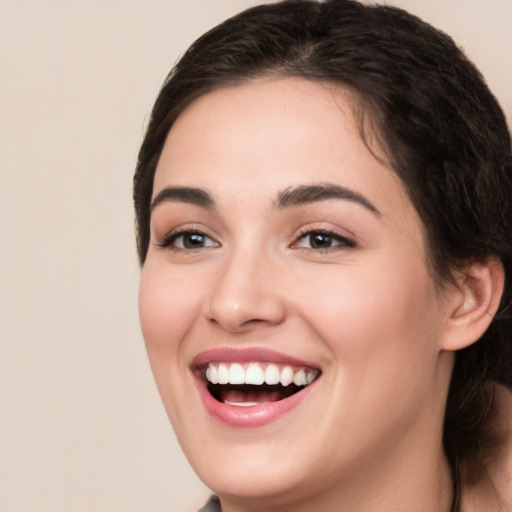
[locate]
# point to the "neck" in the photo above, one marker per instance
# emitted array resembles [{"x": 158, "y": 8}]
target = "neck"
[{"x": 487, "y": 479}]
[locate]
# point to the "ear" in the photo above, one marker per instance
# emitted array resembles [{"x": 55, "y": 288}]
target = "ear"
[{"x": 473, "y": 304}]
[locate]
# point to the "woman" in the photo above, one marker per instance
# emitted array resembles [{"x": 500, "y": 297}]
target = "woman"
[{"x": 325, "y": 229}]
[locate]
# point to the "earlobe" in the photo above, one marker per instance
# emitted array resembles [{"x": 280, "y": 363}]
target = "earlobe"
[{"x": 474, "y": 303}]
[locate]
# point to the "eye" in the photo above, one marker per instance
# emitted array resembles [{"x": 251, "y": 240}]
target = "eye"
[
  {"x": 323, "y": 240},
  {"x": 188, "y": 240}
]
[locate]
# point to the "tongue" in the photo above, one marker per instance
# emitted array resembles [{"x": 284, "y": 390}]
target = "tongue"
[{"x": 242, "y": 399}]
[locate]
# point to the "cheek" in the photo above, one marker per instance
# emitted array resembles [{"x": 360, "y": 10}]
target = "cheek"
[
  {"x": 380, "y": 332},
  {"x": 375, "y": 321},
  {"x": 167, "y": 309}
]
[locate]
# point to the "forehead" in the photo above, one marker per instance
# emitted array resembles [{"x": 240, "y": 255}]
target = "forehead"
[{"x": 270, "y": 134}]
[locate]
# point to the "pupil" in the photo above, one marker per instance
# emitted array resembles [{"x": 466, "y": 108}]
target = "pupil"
[
  {"x": 319, "y": 241},
  {"x": 193, "y": 240}
]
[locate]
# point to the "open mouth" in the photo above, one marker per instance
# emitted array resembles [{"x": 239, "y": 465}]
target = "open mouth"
[{"x": 255, "y": 383}]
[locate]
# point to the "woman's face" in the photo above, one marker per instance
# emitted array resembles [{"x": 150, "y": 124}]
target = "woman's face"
[{"x": 282, "y": 250}]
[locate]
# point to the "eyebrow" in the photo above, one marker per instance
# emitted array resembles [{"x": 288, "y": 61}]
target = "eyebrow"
[
  {"x": 292, "y": 196},
  {"x": 306, "y": 194},
  {"x": 190, "y": 195}
]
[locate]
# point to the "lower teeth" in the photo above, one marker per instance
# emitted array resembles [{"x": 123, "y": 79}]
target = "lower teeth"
[{"x": 242, "y": 404}]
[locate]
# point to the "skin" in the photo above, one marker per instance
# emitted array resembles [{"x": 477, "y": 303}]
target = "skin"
[{"x": 368, "y": 436}]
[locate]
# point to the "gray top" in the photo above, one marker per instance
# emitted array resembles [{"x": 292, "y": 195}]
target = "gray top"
[{"x": 213, "y": 505}]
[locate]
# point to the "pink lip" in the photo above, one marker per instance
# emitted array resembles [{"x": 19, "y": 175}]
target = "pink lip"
[
  {"x": 257, "y": 415},
  {"x": 234, "y": 355},
  {"x": 247, "y": 417}
]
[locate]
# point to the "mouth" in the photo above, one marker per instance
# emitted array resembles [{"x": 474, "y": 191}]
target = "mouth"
[
  {"x": 254, "y": 383},
  {"x": 251, "y": 387}
]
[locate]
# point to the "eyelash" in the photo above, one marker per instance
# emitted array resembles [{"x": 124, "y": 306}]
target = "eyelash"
[
  {"x": 342, "y": 241},
  {"x": 170, "y": 239}
]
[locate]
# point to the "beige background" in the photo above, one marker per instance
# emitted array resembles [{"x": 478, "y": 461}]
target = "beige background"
[{"x": 82, "y": 428}]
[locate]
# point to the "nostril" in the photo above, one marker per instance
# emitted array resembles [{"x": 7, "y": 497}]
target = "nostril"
[
  {"x": 243, "y": 298},
  {"x": 237, "y": 317}
]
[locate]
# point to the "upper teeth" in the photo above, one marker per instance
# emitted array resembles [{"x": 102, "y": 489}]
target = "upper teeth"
[{"x": 258, "y": 374}]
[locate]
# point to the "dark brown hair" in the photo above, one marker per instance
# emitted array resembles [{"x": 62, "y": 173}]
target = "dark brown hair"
[{"x": 439, "y": 125}]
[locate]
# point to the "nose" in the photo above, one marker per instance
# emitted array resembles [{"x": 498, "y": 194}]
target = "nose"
[{"x": 246, "y": 295}]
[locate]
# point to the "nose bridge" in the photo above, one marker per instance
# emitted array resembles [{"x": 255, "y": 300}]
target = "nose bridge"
[{"x": 245, "y": 292}]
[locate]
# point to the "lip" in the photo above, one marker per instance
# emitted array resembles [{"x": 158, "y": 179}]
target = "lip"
[
  {"x": 257, "y": 415},
  {"x": 236, "y": 355}
]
